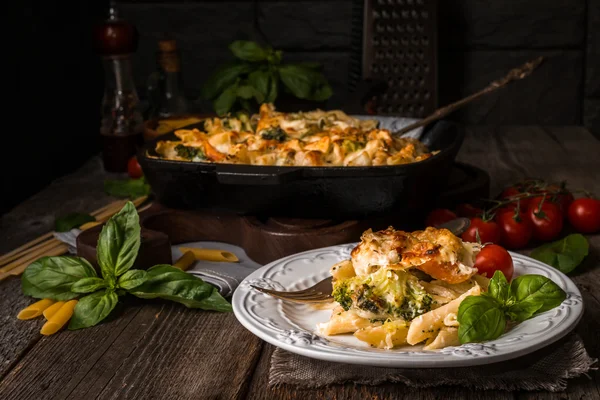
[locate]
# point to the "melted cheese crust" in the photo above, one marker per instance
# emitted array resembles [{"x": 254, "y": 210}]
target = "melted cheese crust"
[
  {"x": 436, "y": 252},
  {"x": 315, "y": 138}
]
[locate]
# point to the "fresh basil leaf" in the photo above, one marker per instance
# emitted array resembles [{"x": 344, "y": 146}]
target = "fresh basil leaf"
[
  {"x": 222, "y": 79},
  {"x": 271, "y": 95},
  {"x": 92, "y": 309},
  {"x": 260, "y": 81},
  {"x": 72, "y": 220},
  {"x": 169, "y": 283},
  {"x": 53, "y": 277},
  {"x": 248, "y": 92},
  {"x": 499, "y": 288},
  {"x": 299, "y": 80},
  {"x": 565, "y": 254},
  {"x": 322, "y": 93},
  {"x": 480, "y": 318},
  {"x": 119, "y": 243},
  {"x": 248, "y": 51},
  {"x": 226, "y": 100},
  {"x": 132, "y": 279},
  {"x": 88, "y": 285},
  {"x": 533, "y": 294},
  {"x": 131, "y": 188},
  {"x": 275, "y": 57}
]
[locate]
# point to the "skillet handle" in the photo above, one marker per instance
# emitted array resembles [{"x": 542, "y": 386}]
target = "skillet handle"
[{"x": 234, "y": 175}]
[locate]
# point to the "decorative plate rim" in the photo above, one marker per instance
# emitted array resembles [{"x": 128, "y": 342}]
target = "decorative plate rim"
[{"x": 276, "y": 328}]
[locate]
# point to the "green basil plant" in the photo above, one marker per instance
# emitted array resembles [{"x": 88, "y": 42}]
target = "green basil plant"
[
  {"x": 485, "y": 317},
  {"x": 258, "y": 76},
  {"x": 66, "y": 277}
]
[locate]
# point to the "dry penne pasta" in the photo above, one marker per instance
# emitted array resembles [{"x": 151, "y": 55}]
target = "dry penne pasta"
[
  {"x": 447, "y": 336},
  {"x": 343, "y": 322},
  {"x": 50, "y": 311},
  {"x": 185, "y": 261},
  {"x": 59, "y": 319},
  {"x": 386, "y": 336},
  {"x": 427, "y": 325},
  {"x": 35, "y": 310},
  {"x": 211, "y": 254}
]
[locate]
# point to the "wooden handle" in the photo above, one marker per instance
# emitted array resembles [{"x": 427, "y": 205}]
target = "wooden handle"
[{"x": 514, "y": 74}]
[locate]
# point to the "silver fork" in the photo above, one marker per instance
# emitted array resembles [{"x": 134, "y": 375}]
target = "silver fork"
[{"x": 321, "y": 291}]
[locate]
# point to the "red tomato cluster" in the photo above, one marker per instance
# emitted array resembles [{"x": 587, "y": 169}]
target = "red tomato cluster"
[{"x": 524, "y": 214}]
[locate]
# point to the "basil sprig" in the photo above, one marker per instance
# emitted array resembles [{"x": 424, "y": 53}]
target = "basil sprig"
[
  {"x": 257, "y": 75},
  {"x": 485, "y": 317},
  {"x": 65, "y": 277}
]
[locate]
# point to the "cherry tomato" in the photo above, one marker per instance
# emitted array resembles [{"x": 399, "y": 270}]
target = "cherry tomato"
[
  {"x": 134, "y": 169},
  {"x": 584, "y": 215},
  {"x": 439, "y": 216},
  {"x": 516, "y": 229},
  {"x": 547, "y": 220},
  {"x": 488, "y": 231},
  {"x": 468, "y": 210},
  {"x": 494, "y": 258}
]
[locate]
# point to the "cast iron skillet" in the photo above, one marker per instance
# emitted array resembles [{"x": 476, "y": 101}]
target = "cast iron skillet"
[{"x": 307, "y": 192}]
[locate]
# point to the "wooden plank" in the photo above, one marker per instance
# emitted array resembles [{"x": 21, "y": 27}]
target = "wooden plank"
[
  {"x": 16, "y": 336},
  {"x": 160, "y": 350}
]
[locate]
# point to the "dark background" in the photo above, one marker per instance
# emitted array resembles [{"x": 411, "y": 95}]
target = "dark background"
[{"x": 59, "y": 80}]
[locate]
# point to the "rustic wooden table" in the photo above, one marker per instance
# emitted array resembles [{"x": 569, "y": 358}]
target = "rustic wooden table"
[{"x": 164, "y": 351}]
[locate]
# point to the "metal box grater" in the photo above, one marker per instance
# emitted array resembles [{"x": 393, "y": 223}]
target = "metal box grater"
[{"x": 399, "y": 47}]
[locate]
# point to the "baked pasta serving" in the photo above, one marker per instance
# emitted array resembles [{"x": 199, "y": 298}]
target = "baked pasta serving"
[
  {"x": 315, "y": 138},
  {"x": 402, "y": 288}
]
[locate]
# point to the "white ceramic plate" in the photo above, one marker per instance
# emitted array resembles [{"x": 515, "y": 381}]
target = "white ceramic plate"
[{"x": 292, "y": 326}]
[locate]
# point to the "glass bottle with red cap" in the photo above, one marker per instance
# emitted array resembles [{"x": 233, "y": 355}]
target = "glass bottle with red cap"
[{"x": 115, "y": 40}]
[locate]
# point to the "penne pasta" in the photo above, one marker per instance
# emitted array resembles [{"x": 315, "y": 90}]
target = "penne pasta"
[
  {"x": 447, "y": 336},
  {"x": 427, "y": 326},
  {"x": 211, "y": 254},
  {"x": 389, "y": 335},
  {"x": 185, "y": 261},
  {"x": 342, "y": 322},
  {"x": 50, "y": 311},
  {"x": 35, "y": 310},
  {"x": 343, "y": 270},
  {"x": 59, "y": 319},
  {"x": 440, "y": 290},
  {"x": 451, "y": 320}
]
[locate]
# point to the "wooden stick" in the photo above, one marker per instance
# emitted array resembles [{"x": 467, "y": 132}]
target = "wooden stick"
[
  {"x": 48, "y": 244},
  {"x": 5, "y": 257},
  {"x": 40, "y": 252},
  {"x": 514, "y": 74},
  {"x": 18, "y": 270}
]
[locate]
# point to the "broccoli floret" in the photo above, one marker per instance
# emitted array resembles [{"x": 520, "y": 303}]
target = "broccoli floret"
[
  {"x": 273, "y": 133},
  {"x": 190, "y": 153},
  {"x": 385, "y": 293},
  {"x": 341, "y": 294}
]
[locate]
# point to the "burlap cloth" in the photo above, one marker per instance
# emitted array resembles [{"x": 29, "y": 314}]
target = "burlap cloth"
[{"x": 546, "y": 369}]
